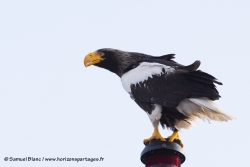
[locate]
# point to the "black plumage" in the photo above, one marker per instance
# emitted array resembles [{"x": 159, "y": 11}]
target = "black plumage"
[{"x": 172, "y": 94}]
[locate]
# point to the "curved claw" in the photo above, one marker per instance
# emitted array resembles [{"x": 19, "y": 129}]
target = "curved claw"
[
  {"x": 156, "y": 135},
  {"x": 175, "y": 136}
]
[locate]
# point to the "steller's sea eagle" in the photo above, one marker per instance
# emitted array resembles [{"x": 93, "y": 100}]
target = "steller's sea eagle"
[{"x": 171, "y": 94}]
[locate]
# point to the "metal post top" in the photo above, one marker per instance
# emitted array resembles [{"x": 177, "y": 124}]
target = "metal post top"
[{"x": 162, "y": 146}]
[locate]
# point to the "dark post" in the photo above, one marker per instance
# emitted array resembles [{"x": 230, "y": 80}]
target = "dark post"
[{"x": 162, "y": 154}]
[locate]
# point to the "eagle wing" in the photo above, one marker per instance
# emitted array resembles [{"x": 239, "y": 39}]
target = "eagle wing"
[{"x": 159, "y": 82}]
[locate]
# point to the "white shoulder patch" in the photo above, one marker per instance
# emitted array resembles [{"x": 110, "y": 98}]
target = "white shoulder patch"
[{"x": 142, "y": 73}]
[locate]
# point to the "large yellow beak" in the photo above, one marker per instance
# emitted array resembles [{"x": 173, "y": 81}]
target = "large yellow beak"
[{"x": 92, "y": 58}]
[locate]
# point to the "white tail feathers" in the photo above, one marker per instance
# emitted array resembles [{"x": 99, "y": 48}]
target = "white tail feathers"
[{"x": 203, "y": 108}]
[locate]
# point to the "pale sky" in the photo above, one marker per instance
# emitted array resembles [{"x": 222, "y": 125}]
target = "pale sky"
[{"x": 52, "y": 106}]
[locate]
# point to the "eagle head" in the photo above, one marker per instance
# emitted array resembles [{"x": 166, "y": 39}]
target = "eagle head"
[{"x": 113, "y": 60}]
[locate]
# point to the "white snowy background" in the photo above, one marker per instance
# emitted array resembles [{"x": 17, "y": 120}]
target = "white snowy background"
[{"x": 52, "y": 106}]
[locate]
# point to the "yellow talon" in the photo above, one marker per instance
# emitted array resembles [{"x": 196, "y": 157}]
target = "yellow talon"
[
  {"x": 155, "y": 135},
  {"x": 175, "y": 136}
]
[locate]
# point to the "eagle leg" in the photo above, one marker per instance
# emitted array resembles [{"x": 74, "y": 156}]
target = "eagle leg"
[
  {"x": 175, "y": 136},
  {"x": 156, "y": 135}
]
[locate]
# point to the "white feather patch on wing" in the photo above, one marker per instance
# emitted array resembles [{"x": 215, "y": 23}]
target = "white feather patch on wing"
[
  {"x": 142, "y": 73},
  {"x": 203, "y": 108}
]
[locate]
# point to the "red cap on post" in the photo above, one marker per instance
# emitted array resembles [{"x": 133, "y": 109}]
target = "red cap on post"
[
  {"x": 162, "y": 154},
  {"x": 163, "y": 160}
]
